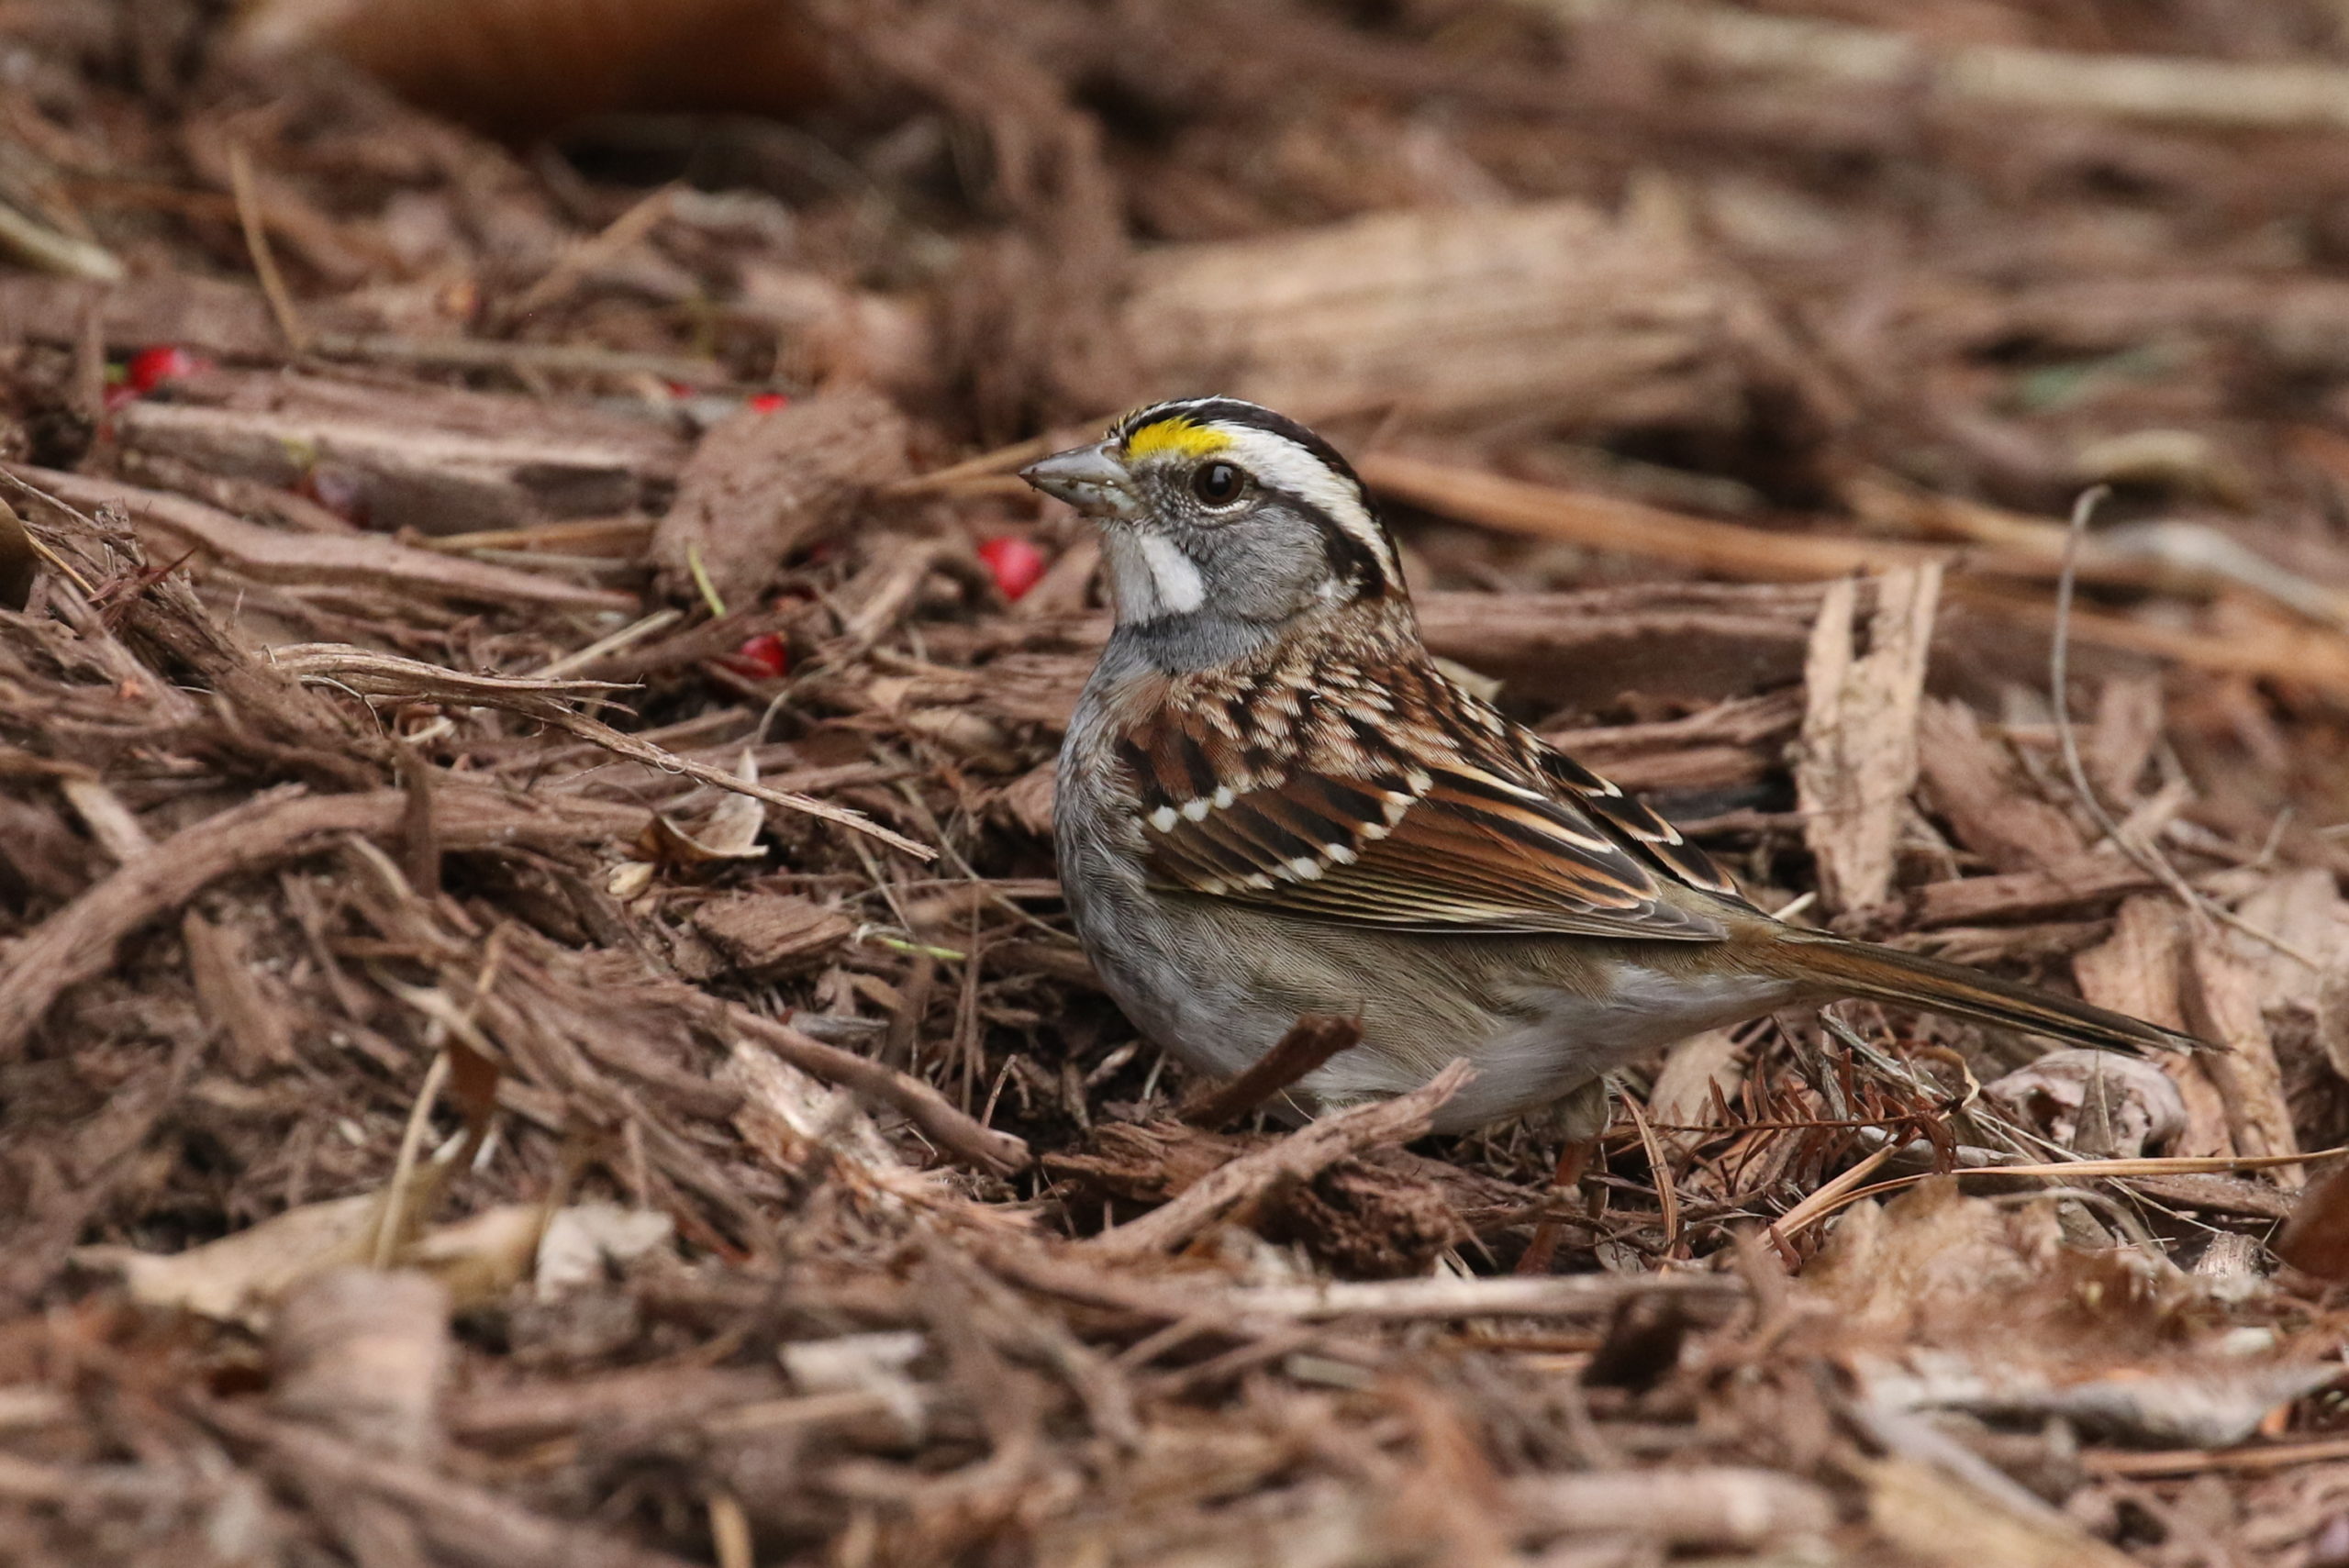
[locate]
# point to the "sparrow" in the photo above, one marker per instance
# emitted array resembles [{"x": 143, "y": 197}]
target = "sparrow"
[{"x": 1272, "y": 803}]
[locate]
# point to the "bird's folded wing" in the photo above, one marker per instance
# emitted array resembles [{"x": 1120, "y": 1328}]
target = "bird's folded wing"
[
  {"x": 1630, "y": 819},
  {"x": 1456, "y": 846}
]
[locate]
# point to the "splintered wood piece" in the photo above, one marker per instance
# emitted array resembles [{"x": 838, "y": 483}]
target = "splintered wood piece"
[
  {"x": 1979, "y": 790},
  {"x": 1533, "y": 313},
  {"x": 439, "y": 460},
  {"x": 172, "y": 526},
  {"x": 214, "y": 316},
  {"x": 763, "y": 483},
  {"x": 1858, "y": 757},
  {"x": 258, "y": 1028},
  {"x": 1718, "y": 1508},
  {"x": 1817, "y": 57},
  {"x": 1936, "y": 1516},
  {"x": 767, "y": 934},
  {"x": 2136, "y": 972},
  {"x": 2074, "y": 884},
  {"x": 2120, "y": 739},
  {"x": 365, "y": 1354},
  {"x": 1309, "y": 1042},
  {"x": 2222, "y": 1000}
]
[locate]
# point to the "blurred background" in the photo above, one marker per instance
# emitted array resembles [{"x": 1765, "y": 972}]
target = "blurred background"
[{"x": 1805, "y": 266}]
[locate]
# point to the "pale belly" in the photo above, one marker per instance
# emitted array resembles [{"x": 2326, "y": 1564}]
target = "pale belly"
[{"x": 1537, "y": 1017}]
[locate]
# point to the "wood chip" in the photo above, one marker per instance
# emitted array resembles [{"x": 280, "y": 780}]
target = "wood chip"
[
  {"x": 2122, "y": 737},
  {"x": 2138, "y": 972},
  {"x": 365, "y": 1354},
  {"x": 2076, "y": 884},
  {"x": 1978, "y": 788},
  {"x": 2222, "y": 1001},
  {"x": 1858, "y": 757},
  {"x": 258, "y": 1027},
  {"x": 761, "y": 484},
  {"x": 174, "y": 526},
  {"x": 1719, "y": 1508},
  {"x": 438, "y": 460},
  {"x": 1522, "y": 311},
  {"x": 764, "y": 934}
]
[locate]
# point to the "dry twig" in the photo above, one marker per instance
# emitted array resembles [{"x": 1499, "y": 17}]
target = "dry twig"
[{"x": 1299, "y": 1157}]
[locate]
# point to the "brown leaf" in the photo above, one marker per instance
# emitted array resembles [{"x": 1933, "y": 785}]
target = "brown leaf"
[
  {"x": 2315, "y": 1240},
  {"x": 2097, "y": 1103},
  {"x": 17, "y": 561}
]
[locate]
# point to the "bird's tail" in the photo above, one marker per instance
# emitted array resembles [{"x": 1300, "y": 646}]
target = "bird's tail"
[{"x": 1888, "y": 974}]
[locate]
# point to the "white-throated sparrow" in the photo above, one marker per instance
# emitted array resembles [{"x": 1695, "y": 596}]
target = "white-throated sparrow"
[{"x": 1272, "y": 804}]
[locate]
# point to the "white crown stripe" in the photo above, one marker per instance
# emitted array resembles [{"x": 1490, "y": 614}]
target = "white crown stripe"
[{"x": 1283, "y": 465}]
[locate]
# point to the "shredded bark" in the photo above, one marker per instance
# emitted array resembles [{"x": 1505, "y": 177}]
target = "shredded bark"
[{"x": 537, "y": 1020}]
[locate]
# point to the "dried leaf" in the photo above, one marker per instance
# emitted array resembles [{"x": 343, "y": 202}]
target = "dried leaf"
[
  {"x": 2315, "y": 1240},
  {"x": 1935, "y": 1518},
  {"x": 730, "y": 831},
  {"x": 585, "y": 1241},
  {"x": 239, "y": 1277},
  {"x": 2071, "y": 1095},
  {"x": 764, "y": 935}
]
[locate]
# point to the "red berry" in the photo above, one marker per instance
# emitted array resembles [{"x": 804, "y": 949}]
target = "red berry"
[
  {"x": 151, "y": 368},
  {"x": 1018, "y": 565},
  {"x": 763, "y": 657},
  {"x": 768, "y": 402},
  {"x": 338, "y": 490}
]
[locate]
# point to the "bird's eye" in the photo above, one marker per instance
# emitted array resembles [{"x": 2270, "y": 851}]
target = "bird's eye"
[{"x": 1218, "y": 484}]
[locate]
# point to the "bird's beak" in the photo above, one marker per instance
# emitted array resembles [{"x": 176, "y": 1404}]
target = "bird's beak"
[{"x": 1090, "y": 479}]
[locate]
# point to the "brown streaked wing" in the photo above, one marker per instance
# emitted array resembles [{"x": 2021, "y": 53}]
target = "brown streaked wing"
[
  {"x": 1473, "y": 849},
  {"x": 1632, "y": 819}
]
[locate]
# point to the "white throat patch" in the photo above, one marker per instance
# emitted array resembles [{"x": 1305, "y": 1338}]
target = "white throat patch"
[
  {"x": 1152, "y": 576},
  {"x": 1181, "y": 590}
]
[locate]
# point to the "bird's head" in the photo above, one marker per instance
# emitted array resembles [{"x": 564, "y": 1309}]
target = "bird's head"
[{"x": 1218, "y": 513}]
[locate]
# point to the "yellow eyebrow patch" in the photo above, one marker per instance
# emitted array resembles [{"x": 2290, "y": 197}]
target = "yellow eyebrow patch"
[{"x": 1174, "y": 435}]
